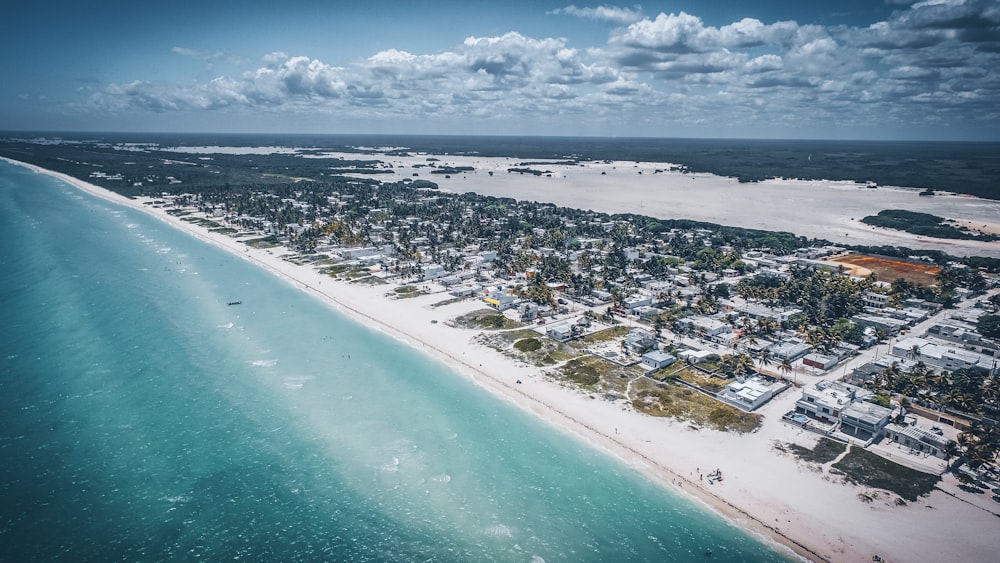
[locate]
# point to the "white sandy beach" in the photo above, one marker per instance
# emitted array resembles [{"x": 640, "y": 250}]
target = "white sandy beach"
[{"x": 801, "y": 507}]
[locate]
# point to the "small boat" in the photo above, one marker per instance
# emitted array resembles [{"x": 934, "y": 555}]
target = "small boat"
[{"x": 234, "y": 303}]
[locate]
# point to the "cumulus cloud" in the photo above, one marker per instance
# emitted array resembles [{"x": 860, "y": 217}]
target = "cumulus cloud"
[
  {"x": 612, "y": 14},
  {"x": 930, "y": 60}
]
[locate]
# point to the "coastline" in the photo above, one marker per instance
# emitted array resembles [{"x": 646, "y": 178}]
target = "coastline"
[{"x": 765, "y": 493}]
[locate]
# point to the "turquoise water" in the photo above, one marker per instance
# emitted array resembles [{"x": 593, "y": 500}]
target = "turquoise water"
[{"x": 144, "y": 419}]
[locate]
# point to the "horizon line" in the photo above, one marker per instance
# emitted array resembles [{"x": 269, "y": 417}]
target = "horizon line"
[{"x": 7, "y": 132}]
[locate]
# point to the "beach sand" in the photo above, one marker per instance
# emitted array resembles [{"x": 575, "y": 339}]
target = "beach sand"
[{"x": 795, "y": 504}]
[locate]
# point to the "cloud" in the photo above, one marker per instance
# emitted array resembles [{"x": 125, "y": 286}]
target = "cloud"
[
  {"x": 208, "y": 56},
  {"x": 928, "y": 62},
  {"x": 611, "y": 14}
]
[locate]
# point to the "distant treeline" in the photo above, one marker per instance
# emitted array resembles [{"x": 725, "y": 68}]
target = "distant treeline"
[{"x": 962, "y": 167}]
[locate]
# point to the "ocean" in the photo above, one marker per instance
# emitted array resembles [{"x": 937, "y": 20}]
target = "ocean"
[{"x": 145, "y": 418}]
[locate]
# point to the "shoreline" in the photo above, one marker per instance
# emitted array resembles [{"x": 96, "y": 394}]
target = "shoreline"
[{"x": 663, "y": 450}]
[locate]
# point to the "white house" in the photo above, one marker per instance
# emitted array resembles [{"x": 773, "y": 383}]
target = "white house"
[
  {"x": 657, "y": 359},
  {"x": 867, "y": 418},
  {"x": 560, "y": 333},
  {"x": 704, "y": 325},
  {"x": 499, "y": 300},
  {"x": 827, "y": 399},
  {"x": 638, "y": 300},
  {"x": 875, "y": 299},
  {"x": 747, "y": 394},
  {"x": 639, "y": 340},
  {"x": 918, "y": 439},
  {"x": 695, "y": 356},
  {"x": 943, "y": 357},
  {"x": 434, "y": 271}
]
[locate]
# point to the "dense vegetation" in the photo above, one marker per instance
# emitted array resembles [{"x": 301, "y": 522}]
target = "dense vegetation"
[
  {"x": 865, "y": 468},
  {"x": 923, "y": 224}
]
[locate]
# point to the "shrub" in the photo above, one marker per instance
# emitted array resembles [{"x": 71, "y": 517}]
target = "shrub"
[{"x": 528, "y": 344}]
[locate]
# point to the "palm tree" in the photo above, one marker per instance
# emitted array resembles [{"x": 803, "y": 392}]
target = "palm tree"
[
  {"x": 765, "y": 358},
  {"x": 784, "y": 367},
  {"x": 980, "y": 443}
]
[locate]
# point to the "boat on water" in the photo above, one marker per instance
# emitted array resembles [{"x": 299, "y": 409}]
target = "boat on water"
[{"x": 231, "y": 303}]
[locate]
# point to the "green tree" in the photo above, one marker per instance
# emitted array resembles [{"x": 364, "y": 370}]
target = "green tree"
[{"x": 989, "y": 326}]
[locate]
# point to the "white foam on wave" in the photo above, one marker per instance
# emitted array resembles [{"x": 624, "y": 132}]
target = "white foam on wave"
[
  {"x": 296, "y": 383},
  {"x": 499, "y": 531},
  {"x": 391, "y": 467},
  {"x": 537, "y": 559},
  {"x": 442, "y": 478},
  {"x": 264, "y": 363}
]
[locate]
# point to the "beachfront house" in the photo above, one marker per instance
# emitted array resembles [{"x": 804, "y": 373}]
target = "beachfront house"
[
  {"x": 657, "y": 359},
  {"x": 747, "y": 394},
  {"x": 865, "y": 420},
  {"x": 826, "y": 400},
  {"x": 917, "y": 439}
]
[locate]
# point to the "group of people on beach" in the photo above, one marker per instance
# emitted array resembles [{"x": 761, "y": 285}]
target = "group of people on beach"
[{"x": 712, "y": 477}]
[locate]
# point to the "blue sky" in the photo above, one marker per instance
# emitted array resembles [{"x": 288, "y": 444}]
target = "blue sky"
[{"x": 847, "y": 69}]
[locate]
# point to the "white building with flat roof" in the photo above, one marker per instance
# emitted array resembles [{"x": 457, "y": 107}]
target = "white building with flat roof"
[
  {"x": 945, "y": 357},
  {"x": 747, "y": 394},
  {"x": 657, "y": 359},
  {"x": 862, "y": 418},
  {"x": 827, "y": 399}
]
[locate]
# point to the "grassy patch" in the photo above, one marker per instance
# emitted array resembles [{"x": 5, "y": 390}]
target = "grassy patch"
[
  {"x": 336, "y": 269},
  {"x": 408, "y": 291},
  {"x": 485, "y": 319},
  {"x": 683, "y": 403},
  {"x": 520, "y": 344},
  {"x": 604, "y": 335},
  {"x": 263, "y": 242},
  {"x": 527, "y": 345},
  {"x": 585, "y": 371},
  {"x": 371, "y": 280},
  {"x": 225, "y": 230},
  {"x": 825, "y": 451},
  {"x": 865, "y": 468},
  {"x": 697, "y": 377},
  {"x": 447, "y": 302},
  {"x": 202, "y": 222}
]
